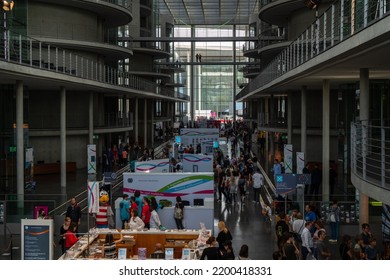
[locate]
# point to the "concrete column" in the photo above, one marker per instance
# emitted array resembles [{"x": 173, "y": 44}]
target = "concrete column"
[
  {"x": 152, "y": 103},
  {"x": 90, "y": 119},
  {"x": 192, "y": 77},
  {"x": 136, "y": 119},
  {"x": 63, "y": 135},
  {"x": 266, "y": 111},
  {"x": 325, "y": 139},
  {"x": 303, "y": 120},
  {"x": 289, "y": 118},
  {"x": 19, "y": 144},
  {"x": 364, "y": 117},
  {"x": 145, "y": 122}
]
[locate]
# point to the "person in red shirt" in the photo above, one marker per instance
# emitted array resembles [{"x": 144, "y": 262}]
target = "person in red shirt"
[
  {"x": 145, "y": 216},
  {"x": 70, "y": 236},
  {"x": 133, "y": 204}
]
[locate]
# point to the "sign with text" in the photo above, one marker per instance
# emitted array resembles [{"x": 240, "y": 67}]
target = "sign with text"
[
  {"x": 286, "y": 183},
  {"x": 37, "y": 239}
]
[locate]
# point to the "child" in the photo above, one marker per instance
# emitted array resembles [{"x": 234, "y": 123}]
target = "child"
[{"x": 371, "y": 250}]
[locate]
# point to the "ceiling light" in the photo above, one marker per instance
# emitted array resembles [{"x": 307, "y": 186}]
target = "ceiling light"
[
  {"x": 312, "y": 4},
  {"x": 8, "y": 5}
]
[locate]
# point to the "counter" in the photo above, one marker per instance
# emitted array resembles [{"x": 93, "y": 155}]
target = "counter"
[{"x": 176, "y": 239}]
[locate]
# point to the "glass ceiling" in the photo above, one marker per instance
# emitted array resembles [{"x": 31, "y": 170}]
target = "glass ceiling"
[{"x": 209, "y": 12}]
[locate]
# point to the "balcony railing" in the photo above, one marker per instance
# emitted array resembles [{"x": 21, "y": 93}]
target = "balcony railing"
[
  {"x": 336, "y": 24},
  {"x": 272, "y": 36},
  {"x": 370, "y": 152},
  {"x": 23, "y": 50}
]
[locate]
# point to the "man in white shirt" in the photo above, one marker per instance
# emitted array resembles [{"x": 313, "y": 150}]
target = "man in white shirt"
[
  {"x": 307, "y": 241},
  {"x": 258, "y": 182}
]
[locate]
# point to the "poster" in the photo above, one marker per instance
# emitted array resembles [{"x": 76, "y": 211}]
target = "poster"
[
  {"x": 170, "y": 185},
  {"x": 288, "y": 162},
  {"x": 37, "y": 239},
  {"x": 91, "y": 152},
  {"x": 93, "y": 196},
  {"x": 37, "y": 208},
  {"x": 158, "y": 165},
  {"x": 300, "y": 162},
  {"x": 197, "y": 163},
  {"x": 195, "y": 136}
]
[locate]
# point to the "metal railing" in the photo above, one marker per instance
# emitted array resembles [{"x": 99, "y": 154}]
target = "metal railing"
[
  {"x": 370, "y": 153},
  {"x": 23, "y": 50},
  {"x": 336, "y": 24}
]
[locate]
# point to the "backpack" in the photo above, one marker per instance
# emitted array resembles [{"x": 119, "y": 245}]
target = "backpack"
[{"x": 178, "y": 213}]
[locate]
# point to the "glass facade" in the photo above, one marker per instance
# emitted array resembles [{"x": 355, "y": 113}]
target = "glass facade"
[{"x": 211, "y": 67}]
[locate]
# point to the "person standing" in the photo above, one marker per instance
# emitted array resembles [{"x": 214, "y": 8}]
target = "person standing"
[
  {"x": 366, "y": 234},
  {"x": 179, "y": 213},
  {"x": 223, "y": 235},
  {"x": 135, "y": 222},
  {"x": 124, "y": 206},
  {"x": 277, "y": 168},
  {"x": 211, "y": 252},
  {"x": 334, "y": 214},
  {"x": 316, "y": 178},
  {"x": 70, "y": 236},
  {"x": 306, "y": 170},
  {"x": 258, "y": 182},
  {"x": 109, "y": 246},
  {"x": 63, "y": 229},
  {"x": 74, "y": 212},
  {"x": 154, "y": 218},
  {"x": 322, "y": 249},
  {"x": 145, "y": 215}
]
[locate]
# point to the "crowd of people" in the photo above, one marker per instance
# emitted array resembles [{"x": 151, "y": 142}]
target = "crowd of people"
[{"x": 304, "y": 237}]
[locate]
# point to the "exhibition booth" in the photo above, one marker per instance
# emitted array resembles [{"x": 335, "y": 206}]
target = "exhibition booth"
[{"x": 141, "y": 244}]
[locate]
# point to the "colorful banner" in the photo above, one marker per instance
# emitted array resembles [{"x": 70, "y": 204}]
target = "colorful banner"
[
  {"x": 93, "y": 197},
  {"x": 158, "y": 165},
  {"x": 300, "y": 162},
  {"x": 288, "y": 162},
  {"x": 170, "y": 185},
  {"x": 91, "y": 152},
  {"x": 197, "y": 163},
  {"x": 195, "y": 136}
]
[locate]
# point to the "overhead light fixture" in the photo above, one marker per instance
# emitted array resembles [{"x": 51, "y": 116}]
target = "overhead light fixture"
[
  {"x": 312, "y": 4},
  {"x": 8, "y": 5}
]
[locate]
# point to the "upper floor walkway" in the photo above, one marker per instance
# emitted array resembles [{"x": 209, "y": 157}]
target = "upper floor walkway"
[{"x": 334, "y": 47}]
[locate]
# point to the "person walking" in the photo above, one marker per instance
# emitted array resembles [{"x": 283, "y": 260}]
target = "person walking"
[
  {"x": 124, "y": 207},
  {"x": 74, "y": 212},
  {"x": 307, "y": 241},
  {"x": 258, "y": 183}
]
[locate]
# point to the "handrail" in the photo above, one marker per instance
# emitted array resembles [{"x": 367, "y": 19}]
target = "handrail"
[
  {"x": 27, "y": 51},
  {"x": 339, "y": 22},
  {"x": 370, "y": 153}
]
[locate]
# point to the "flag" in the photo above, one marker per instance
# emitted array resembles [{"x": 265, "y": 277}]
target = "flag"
[{"x": 93, "y": 197}]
